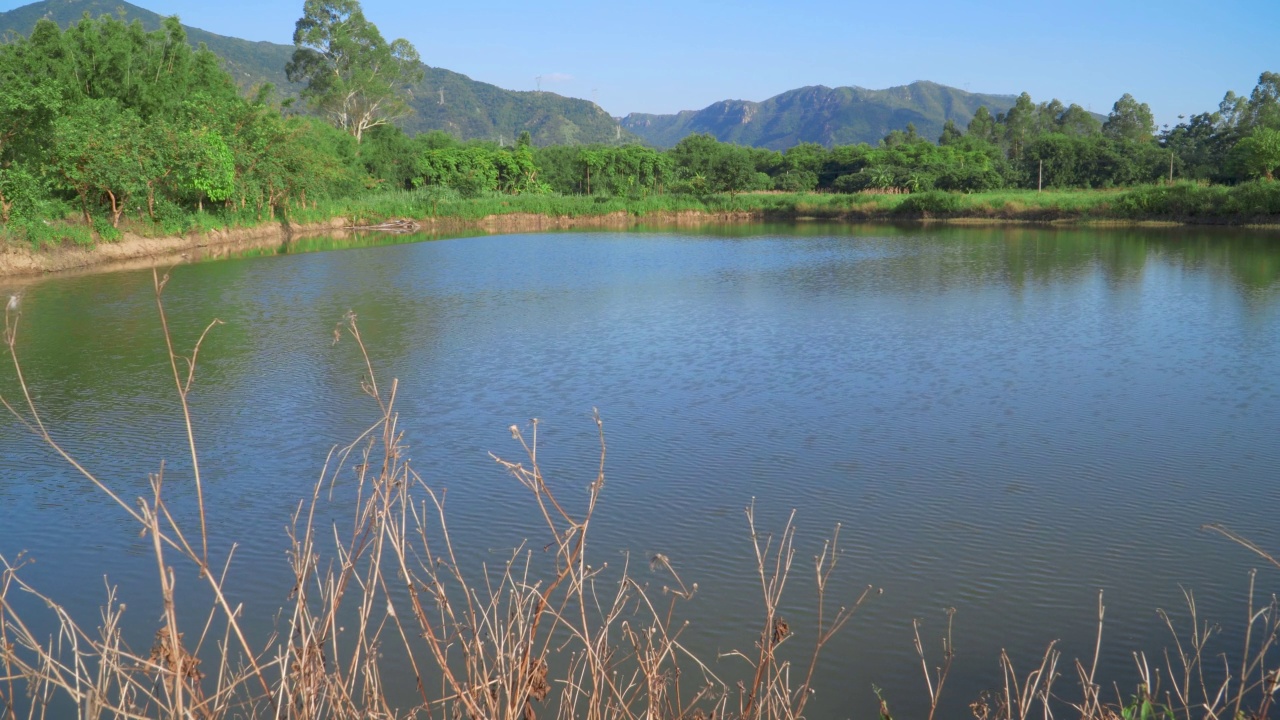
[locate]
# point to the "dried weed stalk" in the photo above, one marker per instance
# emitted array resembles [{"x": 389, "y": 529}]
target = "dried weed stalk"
[{"x": 388, "y": 591}]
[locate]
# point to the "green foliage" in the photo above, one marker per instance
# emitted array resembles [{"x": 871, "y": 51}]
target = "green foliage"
[
  {"x": 1129, "y": 120},
  {"x": 97, "y": 151},
  {"x": 105, "y": 230},
  {"x": 627, "y": 171},
  {"x": 478, "y": 168},
  {"x": 933, "y": 202},
  {"x": 133, "y": 129},
  {"x": 351, "y": 73},
  {"x": 1257, "y": 154},
  {"x": 214, "y": 167}
]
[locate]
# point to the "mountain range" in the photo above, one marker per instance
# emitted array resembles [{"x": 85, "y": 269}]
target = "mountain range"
[
  {"x": 818, "y": 114},
  {"x": 449, "y": 101}
]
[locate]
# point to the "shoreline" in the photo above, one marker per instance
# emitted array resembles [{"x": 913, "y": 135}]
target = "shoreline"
[
  {"x": 136, "y": 251},
  {"x": 133, "y": 251}
]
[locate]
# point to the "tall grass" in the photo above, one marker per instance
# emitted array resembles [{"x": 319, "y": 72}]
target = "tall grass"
[
  {"x": 550, "y": 633},
  {"x": 1248, "y": 202},
  {"x": 1253, "y": 202}
]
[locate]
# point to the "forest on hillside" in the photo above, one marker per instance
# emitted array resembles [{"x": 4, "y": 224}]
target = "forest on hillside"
[{"x": 104, "y": 121}]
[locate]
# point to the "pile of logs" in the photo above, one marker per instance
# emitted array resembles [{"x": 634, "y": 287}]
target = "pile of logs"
[{"x": 391, "y": 226}]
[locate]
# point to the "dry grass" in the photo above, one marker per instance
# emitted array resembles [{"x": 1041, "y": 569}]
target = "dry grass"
[{"x": 549, "y": 633}]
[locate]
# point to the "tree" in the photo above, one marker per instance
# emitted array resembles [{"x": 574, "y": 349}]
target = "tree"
[
  {"x": 732, "y": 172},
  {"x": 1077, "y": 121},
  {"x": 1019, "y": 125},
  {"x": 983, "y": 126},
  {"x": 1258, "y": 154},
  {"x": 1129, "y": 120},
  {"x": 951, "y": 133},
  {"x": 1047, "y": 115},
  {"x": 352, "y": 74},
  {"x": 95, "y": 152},
  {"x": 1263, "y": 109}
]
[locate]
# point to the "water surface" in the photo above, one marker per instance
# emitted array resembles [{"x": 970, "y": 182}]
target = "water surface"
[{"x": 1003, "y": 421}]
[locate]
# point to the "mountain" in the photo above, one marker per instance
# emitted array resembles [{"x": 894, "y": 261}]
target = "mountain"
[
  {"x": 444, "y": 100},
  {"x": 818, "y": 114}
]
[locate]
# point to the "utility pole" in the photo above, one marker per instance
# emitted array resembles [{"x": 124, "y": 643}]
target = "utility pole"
[
  {"x": 1170, "y": 167},
  {"x": 1040, "y": 182}
]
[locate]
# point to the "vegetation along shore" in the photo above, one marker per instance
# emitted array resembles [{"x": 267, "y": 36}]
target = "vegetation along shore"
[{"x": 111, "y": 131}]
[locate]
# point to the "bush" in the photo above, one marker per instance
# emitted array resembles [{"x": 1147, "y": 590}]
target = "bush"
[
  {"x": 41, "y": 233},
  {"x": 105, "y": 230},
  {"x": 851, "y": 183},
  {"x": 934, "y": 202}
]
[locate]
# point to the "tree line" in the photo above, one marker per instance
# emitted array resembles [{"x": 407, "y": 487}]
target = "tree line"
[{"x": 105, "y": 121}]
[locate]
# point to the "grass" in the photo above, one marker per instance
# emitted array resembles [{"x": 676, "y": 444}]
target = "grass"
[
  {"x": 550, "y": 632},
  {"x": 1189, "y": 202},
  {"x": 1254, "y": 202}
]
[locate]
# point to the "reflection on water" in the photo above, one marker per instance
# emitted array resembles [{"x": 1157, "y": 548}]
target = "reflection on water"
[{"x": 1003, "y": 420}]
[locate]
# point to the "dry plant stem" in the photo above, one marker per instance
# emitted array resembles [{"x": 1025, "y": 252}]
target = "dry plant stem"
[
  {"x": 1021, "y": 694},
  {"x": 772, "y": 583},
  {"x": 36, "y": 426},
  {"x": 1191, "y": 657},
  {"x": 1223, "y": 531},
  {"x": 174, "y": 636},
  {"x": 169, "y": 535},
  {"x": 935, "y": 688},
  {"x": 7, "y": 702},
  {"x": 1090, "y": 705},
  {"x": 824, "y": 567},
  {"x": 491, "y": 643},
  {"x": 184, "y": 388}
]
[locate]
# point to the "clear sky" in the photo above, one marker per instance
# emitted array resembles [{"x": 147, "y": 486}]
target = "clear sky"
[{"x": 661, "y": 56}]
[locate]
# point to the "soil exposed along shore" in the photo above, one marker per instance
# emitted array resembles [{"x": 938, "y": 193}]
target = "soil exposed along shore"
[
  {"x": 22, "y": 264},
  {"x": 135, "y": 251}
]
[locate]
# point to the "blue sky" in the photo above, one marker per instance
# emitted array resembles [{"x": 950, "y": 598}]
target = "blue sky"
[{"x": 667, "y": 55}]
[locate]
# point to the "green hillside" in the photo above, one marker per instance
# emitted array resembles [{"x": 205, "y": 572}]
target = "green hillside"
[
  {"x": 828, "y": 116},
  {"x": 466, "y": 108}
]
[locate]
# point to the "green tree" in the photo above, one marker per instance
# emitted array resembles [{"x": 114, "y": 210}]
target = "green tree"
[
  {"x": 1199, "y": 149},
  {"x": 1258, "y": 153},
  {"x": 1019, "y": 125},
  {"x": 352, "y": 74},
  {"x": 95, "y": 151},
  {"x": 1264, "y": 102},
  {"x": 213, "y": 170},
  {"x": 1077, "y": 121},
  {"x": 1129, "y": 120},
  {"x": 983, "y": 126},
  {"x": 951, "y": 133}
]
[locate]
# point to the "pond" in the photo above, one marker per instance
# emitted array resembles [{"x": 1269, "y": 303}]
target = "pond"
[{"x": 1004, "y": 421}]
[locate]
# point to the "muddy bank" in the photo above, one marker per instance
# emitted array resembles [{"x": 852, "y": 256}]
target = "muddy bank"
[
  {"x": 138, "y": 251},
  {"x": 135, "y": 251},
  {"x": 21, "y": 263}
]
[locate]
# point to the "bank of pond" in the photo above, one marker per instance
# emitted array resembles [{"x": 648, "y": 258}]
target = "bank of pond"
[{"x": 1254, "y": 203}]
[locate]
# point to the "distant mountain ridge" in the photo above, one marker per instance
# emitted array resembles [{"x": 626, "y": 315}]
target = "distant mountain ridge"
[
  {"x": 449, "y": 101},
  {"x": 819, "y": 114},
  {"x": 444, "y": 100}
]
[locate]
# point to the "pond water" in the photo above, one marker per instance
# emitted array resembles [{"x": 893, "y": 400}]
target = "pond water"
[{"x": 1003, "y": 421}]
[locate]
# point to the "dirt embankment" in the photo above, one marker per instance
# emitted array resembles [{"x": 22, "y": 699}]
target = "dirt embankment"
[{"x": 136, "y": 251}]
